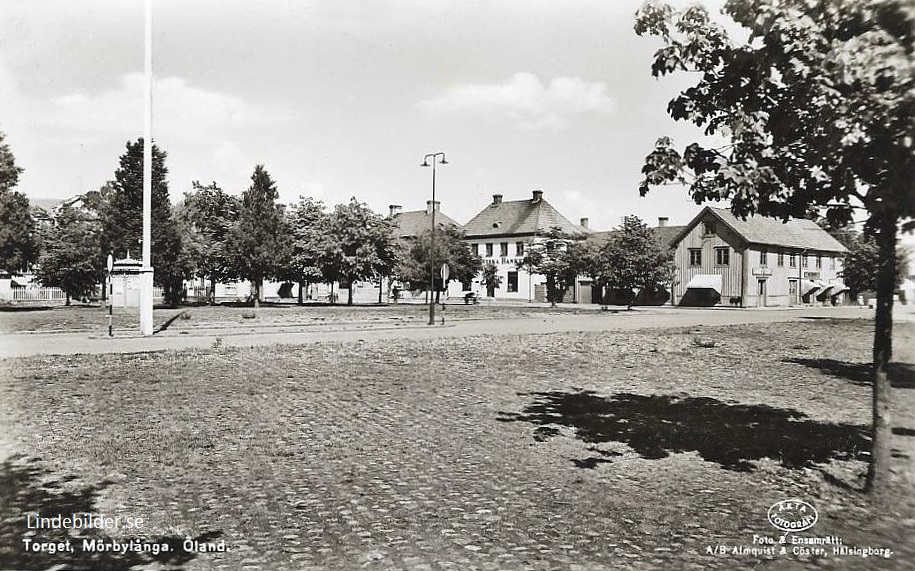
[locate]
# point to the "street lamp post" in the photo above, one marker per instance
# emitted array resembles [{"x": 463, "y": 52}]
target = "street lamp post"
[{"x": 436, "y": 158}]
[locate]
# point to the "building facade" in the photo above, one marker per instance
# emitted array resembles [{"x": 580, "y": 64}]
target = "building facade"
[
  {"x": 503, "y": 231},
  {"x": 757, "y": 262}
]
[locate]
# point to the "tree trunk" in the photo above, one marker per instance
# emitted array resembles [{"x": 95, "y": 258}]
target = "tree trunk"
[
  {"x": 551, "y": 290},
  {"x": 878, "y": 474},
  {"x": 331, "y": 298},
  {"x": 211, "y": 299},
  {"x": 257, "y": 293},
  {"x": 67, "y": 294},
  {"x": 380, "y": 286},
  {"x": 301, "y": 287}
]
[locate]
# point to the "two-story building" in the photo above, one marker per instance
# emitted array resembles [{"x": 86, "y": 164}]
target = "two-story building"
[
  {"x": 757, "y": 262},
  {"x": 502, "y": 232}
]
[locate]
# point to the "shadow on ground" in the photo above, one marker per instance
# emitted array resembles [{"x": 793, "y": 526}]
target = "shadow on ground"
[
  {"x": 902, "y": 375},
  {"x": 731, "y": 435},
  {"x": 25, "y": 489}
]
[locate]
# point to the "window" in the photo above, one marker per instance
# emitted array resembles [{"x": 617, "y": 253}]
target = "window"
[
  {"x": 781, "y": 258},
  {"x": 512, "y": 282},
  {"x": 763, "y": 258},
  {"x": 708, "y": 228},
  {"x": 489, "y": 250},
  {"x": 792, "y": 261},
  {"x": 475, "y": 248},
  {"x": 695, "y": 257},
  {"x": 503, "y": 249},
  {"x": 519, "y": 248},
  {"x": 804, "y": 261},
  {"x": 722, "y": 256},
  {"x": 832, "y": 262},
  {"x": 819, "y": 261}
]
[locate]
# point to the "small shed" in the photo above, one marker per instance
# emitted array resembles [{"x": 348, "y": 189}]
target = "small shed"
[{"x": 125, "y": 281}]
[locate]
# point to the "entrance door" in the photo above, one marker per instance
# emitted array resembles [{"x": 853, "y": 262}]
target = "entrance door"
[
  {"x": 792, "y": 292},
  {"x": 761, "y": 293}
]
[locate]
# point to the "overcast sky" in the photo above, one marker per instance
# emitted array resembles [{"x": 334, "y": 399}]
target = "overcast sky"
[{"x": 342, "y": 98}]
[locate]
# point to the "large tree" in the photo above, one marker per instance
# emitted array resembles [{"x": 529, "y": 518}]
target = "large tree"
[
  {"x": 123, "y": 220},
  {"x": 415, "y": 265},
  {"x": 18, "y": 241},
  {"x": 816, "y": 103},
  {"x": 256, "y": 242},
  {"x": 208, "y": 213},
  {"x": 861, "y": 265},
  {"x": 72, "y": 258},
  {"x": 557, "y": 256},
  {"x": 632, "y": 260},
  {"x": 307, "y": 222},
  {"x": 357, "y": 246}
]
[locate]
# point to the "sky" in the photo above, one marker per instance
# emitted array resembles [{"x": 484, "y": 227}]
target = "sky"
[{"x": 343, "y": 98}]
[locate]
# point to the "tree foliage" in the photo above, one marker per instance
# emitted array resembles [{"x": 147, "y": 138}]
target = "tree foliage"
[
  {"x": 18, "y": 241},
  {"x": 358, "y": 245},
  {"x": 9, "y": 171},
  {"x": 633, "y": 260},
  {"x": 414, "y": 267},
  {"x": 307, "y": 222},
  {"x": 123, "y": 220},
  {"x": 208, "y": 214},
  {"x": 861, "y": 265},
  {"x": 490, "y": 279},
  {"x": 257, "y": 239},
  {"x": 558, "y": 257},
  {"x": 72, "y": 255},
  {"x": 817, "y": 106}
]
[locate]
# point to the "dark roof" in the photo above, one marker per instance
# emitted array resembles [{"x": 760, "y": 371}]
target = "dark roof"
[
  {"x": 665, "y": 234},
  {"x": 521, "y": 217},
  {"x": 795, "y": 233},
  {"x": 413, "y": 223}
]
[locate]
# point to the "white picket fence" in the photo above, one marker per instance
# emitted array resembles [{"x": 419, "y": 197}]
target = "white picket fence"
[{"x": 38, "y": 294}]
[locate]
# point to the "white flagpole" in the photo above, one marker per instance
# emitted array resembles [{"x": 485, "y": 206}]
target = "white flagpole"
[{"x": 146, "y": 273}]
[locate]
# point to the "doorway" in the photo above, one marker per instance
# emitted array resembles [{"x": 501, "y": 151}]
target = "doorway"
[
  {"x": 792, "y": 292},
  {"x": 761, "y": 293}
]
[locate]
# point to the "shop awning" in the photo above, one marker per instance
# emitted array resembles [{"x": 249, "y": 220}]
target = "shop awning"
[
  {"x": 808, "y": 286},
  {"x": 838, "y": 288},
  {"x": 18, "y": 282},
  {"x": 705, "y": 281}
]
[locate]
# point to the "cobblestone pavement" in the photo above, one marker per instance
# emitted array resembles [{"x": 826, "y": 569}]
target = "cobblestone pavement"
[
  {"x": 248, "y": 335},
  {"x": 427, "y": 454}
]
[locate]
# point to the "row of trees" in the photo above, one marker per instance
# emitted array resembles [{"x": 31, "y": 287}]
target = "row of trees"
[
  {"x": 212, "y": 235},
  {"x": 632, "y": 261}
]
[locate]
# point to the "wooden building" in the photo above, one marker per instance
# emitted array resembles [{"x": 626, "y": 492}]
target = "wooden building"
[{"x": 757, "y": 262}]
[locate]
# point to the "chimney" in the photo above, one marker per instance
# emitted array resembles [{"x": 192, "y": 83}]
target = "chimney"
[
  {"x": 395, "y": 209},
  {"x": 496, "y": 199},
  {"x": 430, "y": 205},
  {"x": 584, "y": 223},
  {"x": 662, "y": 221},
  {"x": 538, "y": 195}
]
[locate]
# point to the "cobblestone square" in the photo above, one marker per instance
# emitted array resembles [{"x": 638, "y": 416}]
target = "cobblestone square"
[{"x": 594, "y": 450}]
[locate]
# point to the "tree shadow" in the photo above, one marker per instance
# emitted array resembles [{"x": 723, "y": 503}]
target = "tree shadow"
[
  {"x": 731, "y": 435},
  {"x": 26, "y": 489},
  {"x": 902, "y": 375},
  {"x": 168, "y": 322},
  {"x": 24, "y": 308}
]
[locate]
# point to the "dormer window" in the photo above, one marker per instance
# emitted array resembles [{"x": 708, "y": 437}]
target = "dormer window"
[{"x": 708, "y": 228}]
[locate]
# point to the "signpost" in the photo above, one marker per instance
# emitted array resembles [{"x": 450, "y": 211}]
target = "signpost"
[
  {"x": 444, "y": 272},
  {"x": 110, "y": 265}
]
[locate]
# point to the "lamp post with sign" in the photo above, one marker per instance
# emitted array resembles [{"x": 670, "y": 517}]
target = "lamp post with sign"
[
  {"x": 110, "y": 265},
  {"x": 436, "y": 158}
]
